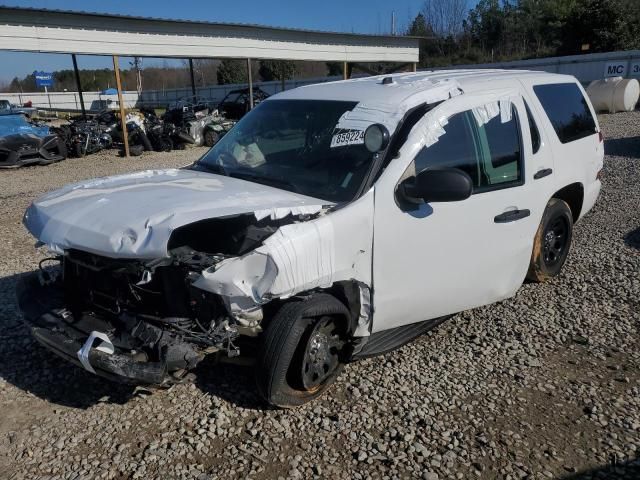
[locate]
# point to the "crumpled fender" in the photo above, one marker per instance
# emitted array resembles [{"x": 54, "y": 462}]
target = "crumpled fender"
[{"x": 298, "y": 257}]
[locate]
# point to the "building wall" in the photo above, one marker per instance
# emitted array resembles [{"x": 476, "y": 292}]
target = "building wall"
[
  {"x": 585, "y": 68},
  {"x": 70, "y": 101}
]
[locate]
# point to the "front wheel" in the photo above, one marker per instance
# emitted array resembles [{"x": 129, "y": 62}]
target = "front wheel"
[
  {"x": 302, "y": 350},
  {"x": 552, "y": 241}
]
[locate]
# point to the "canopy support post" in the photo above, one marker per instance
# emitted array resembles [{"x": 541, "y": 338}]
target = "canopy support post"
[
  {"x": 78, "y": 84},
  {"x": 250, "y": 84},
  {"x": 193, "y": 80},
  {"x": 345, "y": 70},
  {"x": 123, "y": 119}
]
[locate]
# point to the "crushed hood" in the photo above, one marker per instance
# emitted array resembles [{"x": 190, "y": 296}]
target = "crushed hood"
[{"x": 133, "y": 215}]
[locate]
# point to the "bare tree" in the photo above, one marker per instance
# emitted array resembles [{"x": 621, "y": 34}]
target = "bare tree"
[{"x": 445, "y": 17}]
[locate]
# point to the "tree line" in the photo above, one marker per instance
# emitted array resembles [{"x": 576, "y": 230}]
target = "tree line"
[
  {"x": 137, "y": 76},
  {"x": 499, "y": 30}
]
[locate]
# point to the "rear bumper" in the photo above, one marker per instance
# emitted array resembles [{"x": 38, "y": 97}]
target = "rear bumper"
[{"x": 53, "y": 327}]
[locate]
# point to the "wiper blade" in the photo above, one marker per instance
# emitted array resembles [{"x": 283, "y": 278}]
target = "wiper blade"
[
  {"x": 274, "y": 182},
  {"x": 215, "y": 168}
]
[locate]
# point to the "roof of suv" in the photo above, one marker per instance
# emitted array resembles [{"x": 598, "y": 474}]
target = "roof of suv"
[{"x": 405, "y": 85}]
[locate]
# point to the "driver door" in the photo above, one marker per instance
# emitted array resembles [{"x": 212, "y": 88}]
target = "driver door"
[{"x": 442, "y": 258}]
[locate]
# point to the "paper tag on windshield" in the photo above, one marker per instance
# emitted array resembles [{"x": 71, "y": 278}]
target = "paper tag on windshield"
[{"x": 349, "y": 137}]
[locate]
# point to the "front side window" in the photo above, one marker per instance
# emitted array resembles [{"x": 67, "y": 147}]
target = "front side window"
[
  {"x": 294, "y": 145},
  {"x": 490, "y": 154},
  {"x": 567, "y": 110}
]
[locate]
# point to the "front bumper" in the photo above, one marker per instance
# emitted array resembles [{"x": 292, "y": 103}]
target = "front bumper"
[
  {"x": 56, "y": 329},
  {"x": 48, "y": 150}
]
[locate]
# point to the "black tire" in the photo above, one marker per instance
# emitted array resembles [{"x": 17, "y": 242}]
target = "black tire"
[
  {"x": 184, "y": 137},
  {"x": 552, "y": 242},
  {"x": 134, "y": 151},
  {"x": 211, "y": 137},
  {"x": 143, "y": 140},
  {"x": 78, "y": 150},
  {"x": 285, "y": 350}
]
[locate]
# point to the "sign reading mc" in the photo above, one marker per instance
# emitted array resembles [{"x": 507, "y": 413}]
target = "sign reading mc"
[{"x": 615, "y": 69}]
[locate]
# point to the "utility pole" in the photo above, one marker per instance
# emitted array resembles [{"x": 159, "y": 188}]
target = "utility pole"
[
  {"x": 123, "y": 118},
  {"x": 393, "y": 23}
]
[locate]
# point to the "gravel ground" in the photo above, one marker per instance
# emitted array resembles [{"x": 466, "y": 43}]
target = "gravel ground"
[{"x": 544, "y": 385}]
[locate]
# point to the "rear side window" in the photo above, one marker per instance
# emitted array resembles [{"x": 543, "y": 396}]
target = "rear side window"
[
  {"x": 567, "y": 110},
  {"x": 489, "y": 153}
]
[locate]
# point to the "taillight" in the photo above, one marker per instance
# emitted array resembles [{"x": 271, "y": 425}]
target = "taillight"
[{"x": 600, "y": 136}]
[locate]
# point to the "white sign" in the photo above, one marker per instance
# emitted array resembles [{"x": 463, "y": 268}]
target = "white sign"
[
  {"x": 615, "y": 69},
  {"x": 635, "y": 69}
]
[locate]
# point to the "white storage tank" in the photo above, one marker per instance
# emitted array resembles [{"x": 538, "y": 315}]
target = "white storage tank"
[{"x": 615, "y": 94}]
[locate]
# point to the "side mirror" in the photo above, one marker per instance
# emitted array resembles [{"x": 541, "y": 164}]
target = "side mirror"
[{"x": 436, "y": 185}]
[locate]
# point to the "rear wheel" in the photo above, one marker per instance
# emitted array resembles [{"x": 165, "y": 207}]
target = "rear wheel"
[
  {"x": 552, "y": 242},
  {"x": 302, "y": 350}
]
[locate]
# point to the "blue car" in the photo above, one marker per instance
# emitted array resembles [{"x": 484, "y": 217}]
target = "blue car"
[{"x": 23, "y": 143}]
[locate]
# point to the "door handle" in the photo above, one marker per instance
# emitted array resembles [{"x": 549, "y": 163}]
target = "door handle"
[
  {"x": 542, "y": 173},
  {"x": 511, "y": 216}
]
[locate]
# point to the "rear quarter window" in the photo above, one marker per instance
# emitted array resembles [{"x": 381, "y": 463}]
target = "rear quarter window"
[{"x": 567, "y": 110}]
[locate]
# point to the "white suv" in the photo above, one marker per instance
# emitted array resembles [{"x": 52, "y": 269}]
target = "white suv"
[{"x": 333, "y": 222}]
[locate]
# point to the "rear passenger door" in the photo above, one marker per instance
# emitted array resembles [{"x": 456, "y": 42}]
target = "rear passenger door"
[
  {"x": 571, "y": 129},
  {"x": 447, "y": 257}
]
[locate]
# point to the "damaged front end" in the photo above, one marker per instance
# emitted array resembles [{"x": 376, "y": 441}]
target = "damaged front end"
[{"x": 141, "y": 321}]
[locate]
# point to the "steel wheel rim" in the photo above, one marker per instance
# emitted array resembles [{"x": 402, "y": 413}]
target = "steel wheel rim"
[
  {"x": 555, "y": 241},
  {"x": 322, "y": 354}
]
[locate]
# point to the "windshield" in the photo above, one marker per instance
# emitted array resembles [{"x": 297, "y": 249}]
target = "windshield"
[{"x": 294, "y": 145}]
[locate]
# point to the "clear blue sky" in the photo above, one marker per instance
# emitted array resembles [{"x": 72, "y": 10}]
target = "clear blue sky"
[{"x": 360, "y": 16}]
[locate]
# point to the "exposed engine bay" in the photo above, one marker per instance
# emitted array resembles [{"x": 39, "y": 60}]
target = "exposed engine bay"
[{"x": 149, "y": 309}]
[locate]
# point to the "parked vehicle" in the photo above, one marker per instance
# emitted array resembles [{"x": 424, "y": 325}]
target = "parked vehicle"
[
  {"x": 6, "y": 108},
  {"x": 136, "y": 130},
  {"x": 27, "y": 143},
  {"x": 216, "y": 129},
  {"x": 190, "y": 120},
  {"x": 160, "y": 134},
  {"x": 333, "y": 222},
  {"x": 84, "y": 136},
  {"x": 235, "y": 104}
]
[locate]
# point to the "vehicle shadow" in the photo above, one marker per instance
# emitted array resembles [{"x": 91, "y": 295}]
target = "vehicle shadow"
[
  {"x": 30, "y": 367},
  {"x": 632, "y": 239},
  {"x": 623, "y": 147},
  {"x": 232, "y": 383},
  {"x": 623, "y": 470}
]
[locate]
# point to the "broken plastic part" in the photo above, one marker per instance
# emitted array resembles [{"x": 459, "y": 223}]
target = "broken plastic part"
[
  {"x": 279, "y": 213},
  {"x": 364, "y": 318},
  {"x": 105, "y": 346}
]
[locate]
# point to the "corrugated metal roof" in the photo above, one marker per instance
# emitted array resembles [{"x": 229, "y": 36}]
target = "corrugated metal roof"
[
  {"x": 200, "y": 22},
  {"x": 62, "y": 31}
]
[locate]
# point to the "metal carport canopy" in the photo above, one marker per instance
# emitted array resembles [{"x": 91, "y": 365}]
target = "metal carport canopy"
[{"x": 57, "y": 31}]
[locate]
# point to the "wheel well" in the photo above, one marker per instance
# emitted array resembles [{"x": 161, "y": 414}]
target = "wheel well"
[
  {"x": 574, "y": 195},
  {"x": 346, "y": 292}
]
